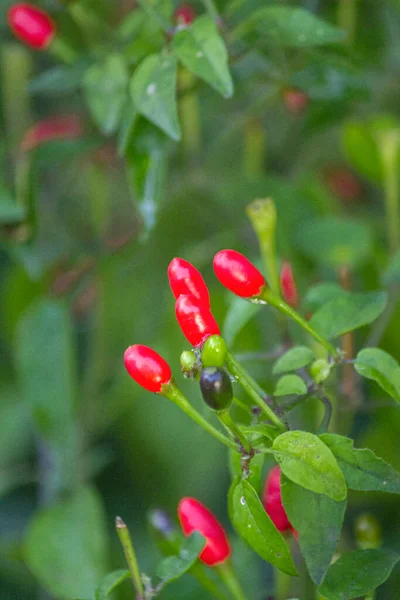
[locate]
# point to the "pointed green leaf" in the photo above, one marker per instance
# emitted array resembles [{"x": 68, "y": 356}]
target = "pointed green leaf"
[
  {"x": 318, "y": 521},
  {"x": 293, "y": 359},
  {"x": 110, "y": 582},
  {"x": 362, "y": 469},
  {"x": 173, "y": 567},
  {"x": 66, "y": 546},
  {"x": 202, "y": 50},
  {"x": 348, "y": 312},
  {"x": 357, "y": 573},
  {"x": 290, "y": 384},
  {"x": 321, "y": 293},
  {"x": 378, "y": 365},
  {"x": 105, "y": 86},
  {"x": 306, "y": 460},
  {"x": 153, "y": 90},
  {"x": 292, "y": 27},
  {"x": 254, "y": 525},
  {"x": 255, "y": 467},
  {"x": 160, "y": 11}
]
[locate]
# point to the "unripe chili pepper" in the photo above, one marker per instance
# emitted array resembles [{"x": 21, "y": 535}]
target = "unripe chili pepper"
[
  {"x": 31, "y": 25},
  {"x": 184, "y": 278},
  {"x": 147, "y": 367},
  {"x": 272, "y": 500},
  {"x": 216, "y": 388},
  {"x": 238, "y": 274},
  {"x": 295, "y": 100},
  {"x": 320, "y": 370},
  {"x": 288, "y": 285},
  {"x": 185, "y": 15},
  {"x": 195, "y": 320},
  {"x": 214, "y": 351},
  {"x": 194, "y": 516},
  {"x": 190, "y": 364},
  {"x": 55, "y": 128}
]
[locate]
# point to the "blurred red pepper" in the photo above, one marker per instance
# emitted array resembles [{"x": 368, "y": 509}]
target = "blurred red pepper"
[
  {"x": 288, "y": 285},
  {"x": 31, "y": 25},
  {"x": 62, "y": 127}
]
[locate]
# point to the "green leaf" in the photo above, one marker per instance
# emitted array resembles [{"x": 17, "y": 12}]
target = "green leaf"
[
  {"x": 362, "y": 151},
  {"x": 335, "y": 242},
  {"x": 173, "y": 567},
  {"x": 391, "y": 274},
  {"x": 201, "y": 49},
  {"x": 292, "y": 27},
  {"x": 57, "y": 80},
  {"x": 146, "y": 162},
  {"x": 105, "y": 86},
  {"x": 320, "y": 294},
  {"x": 293, "y": 359},
  {"x": 45, "y": 362},
  {"x": 318, "y": 521},
  {"x": 348, "y": 312},
  {"x": 153, "y": 90},
  {"x": 290, "y": 384},
  {"x": 254, "y": 525},
  {"x": 306, "y": 460},
  {"x": 11, "y": 213},
  {"x": 160, "y": 11},
  {"x": 378, "y": 365},
  {"x": 238, "y": 315},
  {"x": 110, "y": 582},
  {"x": 357, "y": 573},
  {"x": 255, "y": 467},
  {"x": 362, "y": 469},
  {"x": 66, "y": 546}
]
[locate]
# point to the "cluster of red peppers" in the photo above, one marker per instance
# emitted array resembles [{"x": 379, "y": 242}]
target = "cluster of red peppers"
[{"x": 151, "y": 371}]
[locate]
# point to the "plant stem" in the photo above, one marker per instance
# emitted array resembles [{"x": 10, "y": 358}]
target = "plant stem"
[
  {"x": 63, "y": 51},
  {"x": 198, "y": 572},
  {"x": 172, "y": 392},
  {"x": 389, "y": 146},
  {"x": 252, "y": 389},
  {"x": 231, "y": 426},
  {"x": 228, "y": 576},
  {"x": 323, "y": 428},
  {"x": 130, "y": 555},
  {"x": 254, "y": 149},
  {"x": 241, "y": 405},
  {"x": 290, "y": 312},
  {"x": 347, "y": 18},
  {"x": 212, "y": 10},
  {"x": 282, "y": 584},
  {"x": 189, "y": 111}
]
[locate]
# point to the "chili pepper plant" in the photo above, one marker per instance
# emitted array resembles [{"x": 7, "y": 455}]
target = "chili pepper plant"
[{"x": 200, "y": 271}]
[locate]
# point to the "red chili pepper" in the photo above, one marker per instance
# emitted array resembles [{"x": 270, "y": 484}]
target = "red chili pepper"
[
  {"x": 62, "y": 127},
  {"x": 238, "y": 274},
  {"x": 288, "y": 285},
  {"x": 147, "y": 367},
  {"x": 295, "y": 100},
  {"x": 185, "y": 15},
  {"x": 195, "y": 319},
  {"x": 343, "y": 183},
  {"x": 194, "y": 516},
  {"x": 184, "y": 278},
  {"x": 272, "y": 501},
  {"x": 31, "y": 25}
]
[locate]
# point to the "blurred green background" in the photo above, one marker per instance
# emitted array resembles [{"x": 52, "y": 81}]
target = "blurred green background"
[{"x": 83, "y": 259}]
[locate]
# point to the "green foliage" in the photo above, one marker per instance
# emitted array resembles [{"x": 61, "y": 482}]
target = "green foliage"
[
  {"x": 378, "y": 365},
  {"x": 173, "y": 567},
  {"x": 109, "y": 583},
  {"x": 293, "y": 359},
  {"x": 290, "y": 384}
]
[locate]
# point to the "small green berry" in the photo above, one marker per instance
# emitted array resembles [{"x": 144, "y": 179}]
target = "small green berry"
[
  {"x": 189, "y": 363},
  {"x": 214, "y": 351},
  {"x": 320, "y": 370}
]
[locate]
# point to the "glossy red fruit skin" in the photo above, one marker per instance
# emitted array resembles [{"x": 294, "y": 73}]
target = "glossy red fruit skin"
[
  {"x": 184, "y": 278},
  {"x": 62, "y": 127},
  {"x": 31, "y": 25},
  {"x": 194, "y": 516},
  {"x": 185, "y": 15},
  {"x": 272, "y": 501},
  {"x": 288, "y": 285},
  {"x": 238, "y": 274},
  {"x": 195, "y": 320},
  {"x": 147, "y": 367}
]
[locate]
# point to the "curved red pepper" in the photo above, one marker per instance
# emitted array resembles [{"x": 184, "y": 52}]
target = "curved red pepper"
[
  {"x": 184, "y": 278},
  {"x": 272, "y": 501},
  {"x": 147, "y": 367},
  {"x": 31, "y": 25},
  {"x": 195, "y": 319}
]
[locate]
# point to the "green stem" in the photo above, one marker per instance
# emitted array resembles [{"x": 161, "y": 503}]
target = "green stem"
[
  {"x": 130, "y": 555},
  {"x": 282, "y": 584},
  {"x": 198, "y": 572},
  {"x": 172, "y": 392},
  {"x": 254, "y": 149},
  {"x": 290, "y": 312},
  {"x": 189, "y": 111},
  {"x": 252, "y": 389},
  {"x": 241, "y": 405},
  {"x": 212, "y": 9},
  {"x": 347, "y": 18},
  {"x": 63, "y": 51},
  {"x": 228, "y": 576},
  {"x": 231, "y": 426},
  {"x": 323, "y": 428},
  {"x": 389, "y": 147}
]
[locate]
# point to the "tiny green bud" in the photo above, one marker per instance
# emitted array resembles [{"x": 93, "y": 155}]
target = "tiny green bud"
[
  {"x": 216, "y": 388},
  {"x": 320, "y": 370},
  {"x": 189, "y": 363},
  {"x": 214, "y": 351},
  {"x": 262, "y": 214},
  {"x": 367, "y": 530}
]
